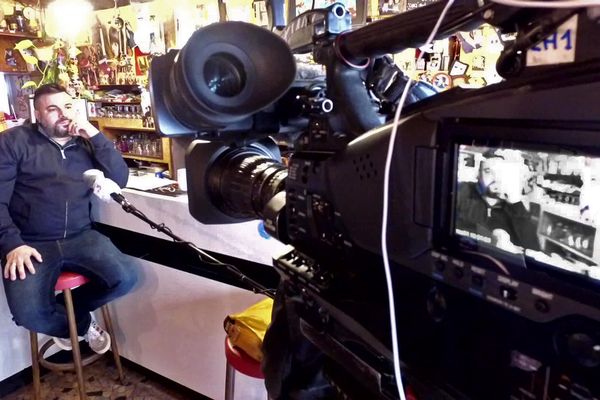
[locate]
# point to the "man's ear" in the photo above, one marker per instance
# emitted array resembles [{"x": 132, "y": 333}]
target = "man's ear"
[{"x": 37, "y": 115}]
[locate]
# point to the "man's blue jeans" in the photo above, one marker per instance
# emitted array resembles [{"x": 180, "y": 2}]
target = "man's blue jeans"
[{"x": 32, "y": 301}]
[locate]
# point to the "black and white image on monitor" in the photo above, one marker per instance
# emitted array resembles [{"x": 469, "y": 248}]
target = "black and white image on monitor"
[{"x": 538, "y": 204}]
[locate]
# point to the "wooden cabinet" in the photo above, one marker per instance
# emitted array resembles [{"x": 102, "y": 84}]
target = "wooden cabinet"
[{"x": 116, "y": 128}]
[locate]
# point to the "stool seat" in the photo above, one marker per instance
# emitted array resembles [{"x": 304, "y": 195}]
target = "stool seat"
[
  {"x": 67, "y": 281},
  {"x": 70, "y": 280},
  {"x": 241, "y": 361}
]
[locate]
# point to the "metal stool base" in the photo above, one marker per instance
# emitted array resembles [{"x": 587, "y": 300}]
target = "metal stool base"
[{"x": 37, "y": 356}]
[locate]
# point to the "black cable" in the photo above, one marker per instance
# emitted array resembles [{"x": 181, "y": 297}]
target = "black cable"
[{"x": 202, "y": 255}]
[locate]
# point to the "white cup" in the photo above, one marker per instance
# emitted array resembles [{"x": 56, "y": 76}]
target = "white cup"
[{"x": 182, "y": 179}]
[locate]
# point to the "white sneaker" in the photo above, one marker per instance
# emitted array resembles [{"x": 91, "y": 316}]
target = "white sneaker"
[
  {"x": 97, "y": 338},
  {"x": 63, "y": 343}
]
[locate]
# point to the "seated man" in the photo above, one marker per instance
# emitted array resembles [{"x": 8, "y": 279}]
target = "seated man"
[
  {"x": 45, "y": 225},
  {"x": 495, "y": 206}
]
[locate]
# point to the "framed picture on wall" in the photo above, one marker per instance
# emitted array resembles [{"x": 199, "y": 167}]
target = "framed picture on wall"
[{"x": 10, "y": 59}]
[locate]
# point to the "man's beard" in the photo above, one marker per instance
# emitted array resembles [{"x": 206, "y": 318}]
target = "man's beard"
[{"x": 59, "y": 130}]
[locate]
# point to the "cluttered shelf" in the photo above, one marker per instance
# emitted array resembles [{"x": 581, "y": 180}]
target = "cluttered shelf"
[
  {"x": 572, "y": 215},
  {"x": 122, "y": 123},
  {"x": 125, "y": 130},
  {"x": 569, "y": 248}
]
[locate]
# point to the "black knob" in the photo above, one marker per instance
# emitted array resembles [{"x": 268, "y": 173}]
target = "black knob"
[
  {"x": 436, "y": 304},
  {"x": 459, "y": 272},
  {"x": 477, "y": 281},
  {"x": 584, "y": 349},
  {"x": 440, "y": 266},
  {"x": 542, "y": 306}
]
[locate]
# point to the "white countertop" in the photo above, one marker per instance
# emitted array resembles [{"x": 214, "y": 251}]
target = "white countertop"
[{"x": 241, "y": 240}]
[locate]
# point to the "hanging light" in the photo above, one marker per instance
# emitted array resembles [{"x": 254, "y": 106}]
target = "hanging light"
[{"x": 66, "y": 19}]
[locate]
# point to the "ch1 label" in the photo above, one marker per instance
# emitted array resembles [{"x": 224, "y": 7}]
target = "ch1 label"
[{"x": 557, "y": 48}]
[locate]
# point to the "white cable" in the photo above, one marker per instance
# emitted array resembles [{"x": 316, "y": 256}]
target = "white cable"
[
  {"x": 386, "y": 190},
  {"x": 549, "y": 4}
]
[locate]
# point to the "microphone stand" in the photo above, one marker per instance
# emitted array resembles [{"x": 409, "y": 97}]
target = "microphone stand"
[{"x": 253, "y": 285}]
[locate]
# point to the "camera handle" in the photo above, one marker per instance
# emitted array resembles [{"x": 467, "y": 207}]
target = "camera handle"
[{"x": 204, "y": 257}]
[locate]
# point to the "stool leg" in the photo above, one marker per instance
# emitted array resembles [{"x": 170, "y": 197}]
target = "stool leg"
[
  {"x": 113, "y": 342},
  {"x": 229, "y": 382},
  {"x": 74, "y": 342},
  {"x": 35, "y": 365}
]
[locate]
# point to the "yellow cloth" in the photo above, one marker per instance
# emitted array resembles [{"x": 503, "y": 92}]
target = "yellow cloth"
[{"x": 246, "y": 330}]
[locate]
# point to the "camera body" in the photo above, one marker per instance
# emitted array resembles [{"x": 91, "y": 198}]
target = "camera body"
[{"x": 479, "y": 315}]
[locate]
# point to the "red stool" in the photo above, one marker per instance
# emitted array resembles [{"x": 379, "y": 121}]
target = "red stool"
[
  {"x": 66, "y": 282},
  {"x": 238, "y": 360}
]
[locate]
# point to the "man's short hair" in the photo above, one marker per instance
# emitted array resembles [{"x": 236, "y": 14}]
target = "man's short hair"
[
  {"x": 492, "y": 153},
  {"x": 49, "y": 88}
]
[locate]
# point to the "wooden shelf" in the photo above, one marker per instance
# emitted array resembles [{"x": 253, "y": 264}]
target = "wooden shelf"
[
  {"x": 125, "y": 88},
  {"x": 23, "y": 35},
  {"x": 123, "y": 103},
  {"x": 122, "y": 123},
  {"x": 144, "y": 158}
]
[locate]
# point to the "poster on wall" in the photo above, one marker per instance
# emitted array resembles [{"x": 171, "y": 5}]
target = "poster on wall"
[
  {"x": 10, "y": 60},
  {"x": 18, "y": 98},
  {"x": 412, "y": 4},
  {"x": 390, "y": 7}
]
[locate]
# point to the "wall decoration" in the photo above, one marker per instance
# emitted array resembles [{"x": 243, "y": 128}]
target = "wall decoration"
[
  {"x": 470, "y": 41},
  {"x": 442, "y": 81},
  {"x": 390, "y": 7},
  {"x": 478, "y": 63},
  {"x": 458, "y": 68}
]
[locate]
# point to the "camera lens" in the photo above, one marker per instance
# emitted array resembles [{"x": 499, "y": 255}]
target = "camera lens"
[
  {"x": 242, "y": 182},
  {"x": 224, "y": 75}
]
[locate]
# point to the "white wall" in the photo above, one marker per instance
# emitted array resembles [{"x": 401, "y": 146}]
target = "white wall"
[
  {"x": 15, "y": 353},
  {"x": 172, "y": 324},
  {"x": 14, "y": 342}
]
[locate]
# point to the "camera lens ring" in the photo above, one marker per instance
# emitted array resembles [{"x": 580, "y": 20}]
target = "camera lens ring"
[{"x": 242, "y": 181}]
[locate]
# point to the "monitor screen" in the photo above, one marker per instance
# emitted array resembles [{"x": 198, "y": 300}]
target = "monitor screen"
[{"x": 532, "y": 204}]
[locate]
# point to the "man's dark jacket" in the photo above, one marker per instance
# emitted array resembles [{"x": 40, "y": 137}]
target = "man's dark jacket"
[{"x": 42, "y": 192}]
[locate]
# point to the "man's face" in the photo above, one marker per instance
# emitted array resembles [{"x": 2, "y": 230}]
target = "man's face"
[
  {"x": 501, "y": 179},
  {"x": 54, "y": 112},
  {"x": 487, "y": 173}
]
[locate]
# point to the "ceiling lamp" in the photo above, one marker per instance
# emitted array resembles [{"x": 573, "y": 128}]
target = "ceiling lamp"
[{"x": 66, "y": 19}]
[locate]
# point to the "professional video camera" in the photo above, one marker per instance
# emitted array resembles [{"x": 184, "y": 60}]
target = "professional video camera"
[{"x": 493, "y": 217}]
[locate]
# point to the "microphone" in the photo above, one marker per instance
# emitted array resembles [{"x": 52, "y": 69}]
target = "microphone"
[{"x": 104, "y": 188}]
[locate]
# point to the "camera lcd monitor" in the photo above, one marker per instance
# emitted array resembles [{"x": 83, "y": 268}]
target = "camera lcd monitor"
[{"x": 532, "y": 204}]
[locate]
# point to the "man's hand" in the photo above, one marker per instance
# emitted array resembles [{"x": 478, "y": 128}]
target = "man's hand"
[
  {"x": 104, "y": 187},
  {"x": 502, "y": 240},
  {"x": 19, "y": 259},
  {"x": 82, "y": 127}
]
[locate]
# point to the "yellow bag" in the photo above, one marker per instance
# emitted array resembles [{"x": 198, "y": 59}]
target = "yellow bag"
[{"x": 246, "y": 330}]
